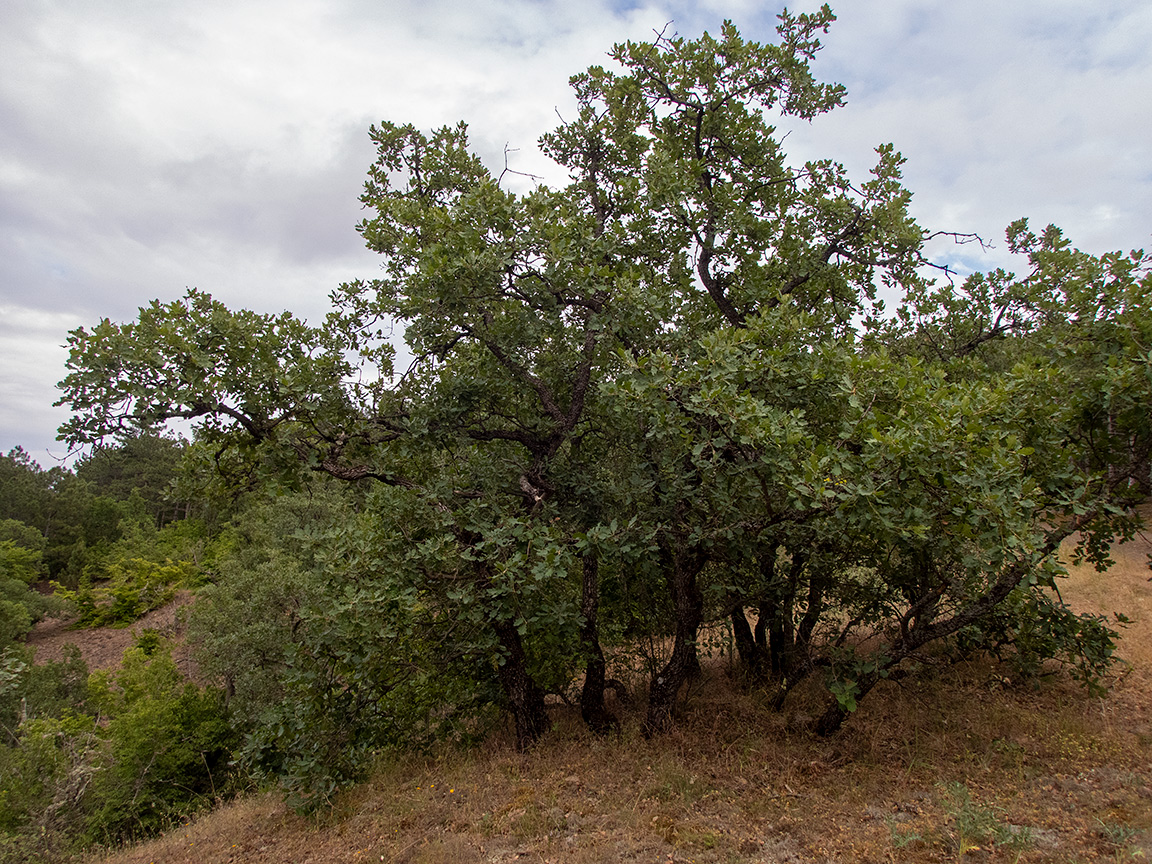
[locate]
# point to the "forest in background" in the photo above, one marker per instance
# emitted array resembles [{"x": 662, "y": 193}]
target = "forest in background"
[
  {"x": 659, "y": 411},
  {"x": 117, "y": 753}
]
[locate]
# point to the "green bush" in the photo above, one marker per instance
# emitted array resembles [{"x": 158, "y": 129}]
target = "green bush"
[
  {"x": 106, "y": 757},
  {"x": 141, "y": 571},
  {"x": 47, "y": 773},
  {"x": 21, "y": 534},
  {"x": 133, "y": 586},
  {"x": 20, "y": 605},
  {"x": 30, "y": 690},
  {"x": 1033, "y": 627},
  {"x": 51, "y": 749},
  {"x": 168, "y": 748},
  {"x": 324, "y": 653},
  {"x": 15, "y": 621}
]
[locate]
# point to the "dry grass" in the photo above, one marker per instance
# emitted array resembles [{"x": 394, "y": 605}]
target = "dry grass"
[
  {"x": 103, "y": 647},
  {"x": 736, "y": 782}
]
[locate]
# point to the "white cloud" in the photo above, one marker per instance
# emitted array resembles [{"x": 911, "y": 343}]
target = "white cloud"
[
  {"x": 150, "y": 146},
  {"x": 1003, "y": 110},
  {"x": 33, "y": 360}
]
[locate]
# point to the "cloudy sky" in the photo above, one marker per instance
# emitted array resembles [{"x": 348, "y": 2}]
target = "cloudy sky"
[{"x": 149, "y": 146}]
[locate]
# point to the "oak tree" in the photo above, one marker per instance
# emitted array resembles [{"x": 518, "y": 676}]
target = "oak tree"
[{"x": 666, "y": 393}]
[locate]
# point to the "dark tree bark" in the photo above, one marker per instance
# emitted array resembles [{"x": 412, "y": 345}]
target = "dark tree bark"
[
  {"x": 797, "y": 661},
  {"x": 834, "y": 716},
  {"x": 816, "y": 585},
  {"x": 599, "y": 719},
  {"x": 763, "y": 613},
  {"x": 776, "y": 651},
  {"x": 781, "y": 602},
  {"x": 525, "y": 698},
  {"x": 753, "y": 658},
  {"x": 524, "y": 695},
  {"x": 683, "y": 565}
]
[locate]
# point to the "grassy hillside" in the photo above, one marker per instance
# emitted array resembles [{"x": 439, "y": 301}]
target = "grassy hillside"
[{"x": 963, "y": 764}]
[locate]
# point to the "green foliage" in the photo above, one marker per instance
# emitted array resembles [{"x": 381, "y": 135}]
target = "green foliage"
[
  {"x": 660, "y": 394},
  {"x": 144, "y": 467},
  {"x": 26, "y": 491},
  {"x": 901, "y": 836},
  {"x": 20, "y": 605},
  {"x": 168, "y": 748},
  {"x": 75, "y": 519},
  {"x": 149, "y": 641},
  {"x": 106, "y": 757},
  {"x": 22, "y": 535},
  {"x": 29, "y": 690},
  {"x": 15, "y": 618},
  {"x": 46, "y": 776},
  {"x": 63, "y": 511},
  {"x": 845, "y": 693},
  {"x": 1033, "y": 626},
  {"x": 1118, "y": 838},
  {"x": 47, "y": 756},
  {"x": 326, "y": 656},
  {"x": 132, "y": 587},
  {"x": 140, "y": 572},
  {"x": 244, "y": 621}
]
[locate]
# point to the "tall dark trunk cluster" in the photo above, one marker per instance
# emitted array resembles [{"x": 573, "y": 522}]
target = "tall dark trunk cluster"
[
  {"x": 599, "y": 719},
  {"x": 775, "y": 652},
  {"x": 682, "y": 565},
  {"x": 525, "y": 698}
]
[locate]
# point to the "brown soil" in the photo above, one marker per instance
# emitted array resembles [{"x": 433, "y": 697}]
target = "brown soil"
[
  {"x": 1070, "y": 774},
  {"x": 103, "y": 647}
]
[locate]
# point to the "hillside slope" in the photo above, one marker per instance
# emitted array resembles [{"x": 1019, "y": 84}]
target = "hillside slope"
[
  {"x": 103, "y": 647},
  {"x": 963, "y": 765}
]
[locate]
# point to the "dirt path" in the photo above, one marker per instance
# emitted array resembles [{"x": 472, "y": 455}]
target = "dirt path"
[{"x": 103, "y": 647}]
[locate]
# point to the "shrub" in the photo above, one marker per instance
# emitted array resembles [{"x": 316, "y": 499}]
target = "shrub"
[
  {"x": 20, "y": 606},
  {"x": 106, "y": 757},
  {"x": 325, "y": 653},
  {"x": 168, "y": 747},
  {"x": 133, "y": 586},
  {"x": 1033, "y": 627},
  {"x": 30, "y": 690},
  {"x": 50, "y": 751}
]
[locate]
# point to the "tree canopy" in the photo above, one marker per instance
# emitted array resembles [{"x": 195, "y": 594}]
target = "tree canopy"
[{"x": 664, "y": 396}]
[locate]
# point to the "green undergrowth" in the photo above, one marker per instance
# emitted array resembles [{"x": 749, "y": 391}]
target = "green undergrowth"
[{"x": 106, "y": 757}]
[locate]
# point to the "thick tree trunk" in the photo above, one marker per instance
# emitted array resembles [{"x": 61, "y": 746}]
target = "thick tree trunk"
[
  {"x": 831, "y": 720},
  {"x": 816, "y": 585},
  {"x": 797, "y": 660},
  {"x": 763, "y": 609},
  {"x": 599, "y": 719},
  {"x": 753, "y": 658},
  {"x": 763, "y": 613},
  {"x": 525, "y": 698},
  {"x": 781, "y": 603},
  {"x": 689, "y": 607}
]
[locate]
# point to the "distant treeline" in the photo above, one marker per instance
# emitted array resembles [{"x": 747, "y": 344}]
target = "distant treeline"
[{"x": 71, "y": 515}]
